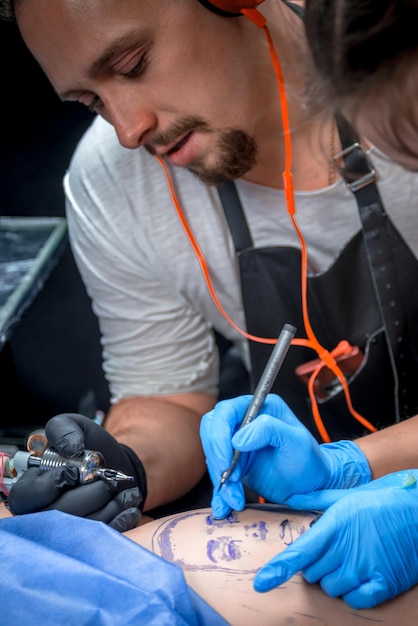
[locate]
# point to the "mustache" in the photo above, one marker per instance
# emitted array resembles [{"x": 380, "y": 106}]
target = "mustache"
[{"x": 179, "y": 129}]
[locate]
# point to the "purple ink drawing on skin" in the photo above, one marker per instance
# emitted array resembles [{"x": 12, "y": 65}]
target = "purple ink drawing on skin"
[
  {"x": 221, "y": 553},
  {"x": 258, "y": 530},
  {"x": 223, "y": 549},
  {"x": 233, "y": 549},
  {"x": 285, "y": 528},
  {"x": 212, "y": 545},
  {"x": 213, "y": 524}
]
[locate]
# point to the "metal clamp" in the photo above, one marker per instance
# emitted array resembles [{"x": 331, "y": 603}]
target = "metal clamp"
[{"x": 355, "y": 180}]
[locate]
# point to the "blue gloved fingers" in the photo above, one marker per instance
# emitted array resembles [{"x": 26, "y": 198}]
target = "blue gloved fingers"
[
  {"x": 321, "y": 500},
  {"x": 316, "y": 500},
  {"x": 220, "y": 509},
  {"x": 337, "y": 583},
  {"x": 397, "y": 480},
  {"x": 216, "y": 430},
  {"x": 370, "y": 594},
  {"x": 84, "y": 500},
  {"x": 35, "y": 489},
  {"x": 262, "y": 432},
  {"x": 275, "y": 406},
  {"x": 303, "y": 552},
  {"x": 360, "y": 546},
  {"x": 230, "y": 497}
]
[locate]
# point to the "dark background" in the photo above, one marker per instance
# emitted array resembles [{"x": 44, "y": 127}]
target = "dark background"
[{"x": 52, "y": 362}]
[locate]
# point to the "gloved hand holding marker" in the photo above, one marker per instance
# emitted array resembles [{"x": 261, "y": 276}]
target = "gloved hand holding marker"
[
  {"x": 274, "y": 455},
  {"x": 263, "y": 388}
]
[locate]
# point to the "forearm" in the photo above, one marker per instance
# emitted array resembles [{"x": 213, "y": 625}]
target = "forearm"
[
  {"x": 164, "y": 433},
  {"x": 392, "y": 449}
]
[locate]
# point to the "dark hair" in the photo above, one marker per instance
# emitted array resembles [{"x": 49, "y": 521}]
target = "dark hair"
[
  {"x": 366, "y": 55},
  {"x": 356, "y": 41},
  {"x": 7, "y": 11}
]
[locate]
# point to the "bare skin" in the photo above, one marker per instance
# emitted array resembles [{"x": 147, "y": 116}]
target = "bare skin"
[
  {"x": 391, "y": 449},
  {"x": 164, "y": 432}
]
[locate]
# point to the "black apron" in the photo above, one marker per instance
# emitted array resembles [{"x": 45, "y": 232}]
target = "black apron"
[{"x": 343, "y": 305}]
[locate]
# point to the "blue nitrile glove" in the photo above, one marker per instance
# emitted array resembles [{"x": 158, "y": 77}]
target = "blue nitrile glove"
[
  {"x": 117, "y": 503},
  {"x": 279, "y": 456},
  {"x": 363, "y": 548}
]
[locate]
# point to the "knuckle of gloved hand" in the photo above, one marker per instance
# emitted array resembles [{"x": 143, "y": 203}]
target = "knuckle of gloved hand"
[
  {"x": 17, "y": 501},
  {"x": 65, "y": 435},
  {"x": 65, "y": 476},
  {"x": 87, "y": 500},
  {"x": 130, "y": 497},
  {"x": 232, "y": 409},
  {"x": 32, "y": 492},
  {"x": 128, "y": 519}
]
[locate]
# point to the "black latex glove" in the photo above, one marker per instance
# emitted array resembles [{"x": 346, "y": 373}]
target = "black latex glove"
[{"x": 117, "y": 503}]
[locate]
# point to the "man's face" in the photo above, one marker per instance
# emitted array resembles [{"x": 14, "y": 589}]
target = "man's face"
[{"x": 167, "y": 74}]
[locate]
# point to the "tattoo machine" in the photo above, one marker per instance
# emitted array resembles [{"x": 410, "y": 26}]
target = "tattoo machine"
[{"x": 90, "y": 463}]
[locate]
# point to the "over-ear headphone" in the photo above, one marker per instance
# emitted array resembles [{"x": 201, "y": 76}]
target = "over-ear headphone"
[{"x": 229, "y": 8}]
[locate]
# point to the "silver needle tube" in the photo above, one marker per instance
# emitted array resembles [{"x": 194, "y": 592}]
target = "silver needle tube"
[
  {"x": 89, "y": 464},
  {"x": 263, "y": 388}
]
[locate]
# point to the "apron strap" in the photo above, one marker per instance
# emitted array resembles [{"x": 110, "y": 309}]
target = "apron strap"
[
  {"x": 235, "y": 217},
  {"x": 356, "y": 168}
]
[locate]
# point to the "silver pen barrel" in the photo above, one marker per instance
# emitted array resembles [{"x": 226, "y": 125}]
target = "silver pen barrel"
[{"x": 263, "y": 388}]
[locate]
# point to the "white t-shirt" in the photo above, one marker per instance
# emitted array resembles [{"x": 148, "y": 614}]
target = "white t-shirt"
[{"x": 154, "y": 307}]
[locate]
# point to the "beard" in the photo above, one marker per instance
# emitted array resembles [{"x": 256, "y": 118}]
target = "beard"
[{"x": 235, "y": 152}]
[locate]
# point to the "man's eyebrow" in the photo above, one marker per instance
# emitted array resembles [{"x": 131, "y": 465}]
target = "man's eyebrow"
[
  {"x": 92, "y": 71},
  {"x": 113, "y": 49}
]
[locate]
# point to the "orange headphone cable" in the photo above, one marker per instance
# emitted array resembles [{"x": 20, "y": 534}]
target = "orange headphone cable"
[{"x": 325, "y": 356}]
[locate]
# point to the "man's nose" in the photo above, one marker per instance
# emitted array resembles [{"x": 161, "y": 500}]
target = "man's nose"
[{"x": 134, "y": 124}]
